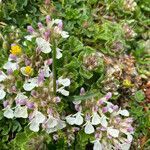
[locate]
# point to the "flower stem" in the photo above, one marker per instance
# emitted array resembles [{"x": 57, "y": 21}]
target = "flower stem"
[{"x": 54, "y": 67}]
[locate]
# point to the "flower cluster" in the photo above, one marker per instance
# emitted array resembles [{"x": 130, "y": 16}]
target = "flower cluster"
[
  {"x": 27, "y": 81},
  {"x": 110, "y": 124}
]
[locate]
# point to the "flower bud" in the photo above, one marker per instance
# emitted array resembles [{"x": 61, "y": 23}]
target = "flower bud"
[{"x": 30, "y": 29}]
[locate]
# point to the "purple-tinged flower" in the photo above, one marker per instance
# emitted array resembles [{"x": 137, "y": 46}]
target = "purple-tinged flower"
[
  {"x": 12, "y": 57},
  {"x": 40, "y": 25},
  {"x": 34, "y": 93},
  {"x": 30, "y": 29},
  {"x": 82, "y": 91},
  {"x": 48, "y": 19},
  {"x": 50, "y": 111},
  {"x": 129, "y": 120},
  {"x": 47, "y": 35},
  {"x": 118, "y": 120},
  {"x": 108, "y": 95},
  {"x": 60, "y": 25},
  {"x": 78, "y": 107},
  {"x": 9, "y": 71},
  {"x": 5, "y": 103},
  {"x": 21, "y": 102},
  {"x": 48, "y": 61},
  {"x": 30, "y": 105},
  {"x": 115, "y": 107},
  {"x": 105, "y": 109},
  {"x": 13, "y": 89},
  {"x": 47, "y": 2},
  {"x": 75, "y": 129},
  {"x": 57, "y": 99},
  {"x": 130, "y": 129},
  {"x": 27, "y": 62},
  {"x": 41, "y": 77}
]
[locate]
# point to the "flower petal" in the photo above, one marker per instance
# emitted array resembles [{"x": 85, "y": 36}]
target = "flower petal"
[
  {"x": 2, "y": 76},
  {"x": 21, "y": 112},
  {"x": 78, "y": 119},
  {"x": 2, "y": 94},
  {"x": 96, "y": 119},
  {"x": 113, "y": 132},
  {"x": 43, "y": 45},
  {"x": 8, "y": 113},
  {"x": 97, "y": 145},
  {"x": 89, "y": 128},
  {"x": 124, "y": 112}
]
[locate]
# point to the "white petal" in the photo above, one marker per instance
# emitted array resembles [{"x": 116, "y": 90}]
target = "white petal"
[
  {"x": 21, "y": 112},
  {"x": 10, "y": 65},
  {"x": 96, "y": 119},
  {"x": 78, "y": 119},
  {"x": 2, "y": 94},
  {"x": 103, "y": 121},
  {"x": 70, "y": 120},
  {"x": 43, "y": 45},
  {"x": 124, "y": 112},
  {"x": 89, "y": 128},
  {"x": 113, "y": 132},
  {"x": 129, "y": 137},
  {"x": 63, "y": 91},
  {"x": 51, "y": 122},
  {"x": 30, "y": 84},
  {"x": 29, "y": 37},
  {"x": 8, "y": 113},
  {"x": 58, "y": 53},
  {"x": 34, "y": 126},
  {"x": 23, "y": 71},
  {"x": 125, "y": 146},
  {"x": 97, "y": 145},
  {"x": 64, "y": 34},
  {"x": 39, "y": 117},
  {"x": 2, "y": 76},
  {"x": 61, "y": 124},
  {"x": 64, "y": 82},
  {"x": 21, "y": 96},
  {"x": 47, "y": 71}
]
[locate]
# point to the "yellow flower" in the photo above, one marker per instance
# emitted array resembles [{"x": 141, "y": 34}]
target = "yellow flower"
[
  {"x": 127, "y": 83},
  {"x": 16, "y": 49},
  {"x": 28, "y": 70}
]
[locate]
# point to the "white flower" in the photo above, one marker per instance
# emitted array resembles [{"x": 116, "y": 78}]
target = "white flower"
[
  {"x": 21, "y": 112},
  {"x": 43, "y": 45},
  {"x": 10, "y": 65},
  {"x": 70, "y": 120},
  {"x": 63, "y": 91},
  {"x": 89, "y": 129},
  {"x": 97, "y": 145},
  {"x": 21, "y": 96},
  {"x": 103, "y": 121},
  {"x": 113, "y": 132},
  {"x": 2, "y": 76},
  {"x": 30, "y": 84},
  {"x": 125, "y": 146},
  {"x": 96, "y": 118},
  {"x": 2, "y": 94},
  {"x": 58, "y": 53},
  {"x": 8, "y": 112},
  {"x": 76, "y": 119},
  {"x": 65, "y": 82},
  {"x": 123, "y": 112},
  {"x": 47, "y": 71},
  {"x": 64, "y": 34},
  {"x": 51, "y": 122},
  {"x": 38, "y": 118}
]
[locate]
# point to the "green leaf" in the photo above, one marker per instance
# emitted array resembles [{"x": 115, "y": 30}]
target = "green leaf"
[
  {"x": 139, "y": 96},
  {"x": 85, "y": 97}
]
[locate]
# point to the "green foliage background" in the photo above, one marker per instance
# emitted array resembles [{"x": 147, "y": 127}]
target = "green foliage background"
[{"x": 93, "y": 25}]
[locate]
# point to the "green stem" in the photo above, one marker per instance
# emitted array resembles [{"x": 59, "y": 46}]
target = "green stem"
[{"x": 54, "y": 66}]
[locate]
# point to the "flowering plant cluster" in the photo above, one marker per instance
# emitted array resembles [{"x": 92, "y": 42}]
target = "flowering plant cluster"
[{"x": 36, "y": 98}]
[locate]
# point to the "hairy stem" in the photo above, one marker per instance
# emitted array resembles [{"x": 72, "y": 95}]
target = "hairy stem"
[{"x": 54, "y": 66}]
